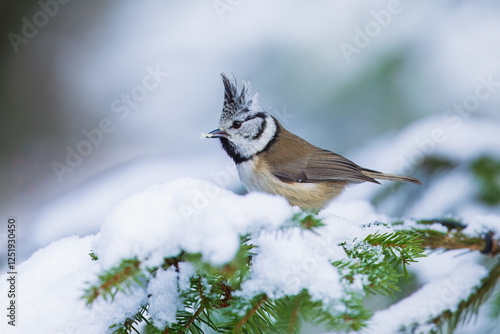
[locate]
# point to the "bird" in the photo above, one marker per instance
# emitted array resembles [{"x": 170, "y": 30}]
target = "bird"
[{"x": 273, "y": 160}]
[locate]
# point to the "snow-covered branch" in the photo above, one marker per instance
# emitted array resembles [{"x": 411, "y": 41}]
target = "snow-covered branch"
[{"x": 188, "y": 256}]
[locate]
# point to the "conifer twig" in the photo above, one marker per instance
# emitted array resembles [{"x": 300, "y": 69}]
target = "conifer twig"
[
  {"x": 202, "y": 306},
  {"x": 110, "y": 282},
  {"x": 254, "y": 309},
  {"x": 432, "y": 239},
  {"x": 470, "y": 306}
]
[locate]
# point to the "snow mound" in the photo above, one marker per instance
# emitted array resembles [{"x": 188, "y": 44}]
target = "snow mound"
[
  {"x": 50, "y": 287},
  {"x": 185, "y": 214},
  {"x": 444, "y": 289}
]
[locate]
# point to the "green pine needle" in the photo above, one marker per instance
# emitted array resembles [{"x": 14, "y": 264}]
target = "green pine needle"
[
  {"x": 116, "y": 279},
  {"x": 400, "y": 248}
]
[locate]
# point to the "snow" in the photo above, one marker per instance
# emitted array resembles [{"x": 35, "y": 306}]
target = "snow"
[
  {"x": 50, "y": 286},
  {"x": 185, "y": 214},
  {"x": 443, "y": 290},
  {"x": 286, "y": 264},
  {"x": 186, "y": 271},
  {"x": 164, "y": 301},
  {"x": 479, "y": 223},
  {"x": 360, "y": 211}
]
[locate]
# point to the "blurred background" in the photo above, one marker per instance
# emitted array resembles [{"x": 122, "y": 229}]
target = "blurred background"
[{"x": 102, "y": 98}]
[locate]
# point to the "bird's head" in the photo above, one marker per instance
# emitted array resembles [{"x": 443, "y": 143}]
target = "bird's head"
[{"x": 245, "y": 128}]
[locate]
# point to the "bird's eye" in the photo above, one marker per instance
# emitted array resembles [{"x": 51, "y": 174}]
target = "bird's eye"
[{"x": 236, "y": 125}]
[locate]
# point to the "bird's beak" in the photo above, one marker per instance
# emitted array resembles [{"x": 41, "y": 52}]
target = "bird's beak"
[{"x": 218, "y": 133}]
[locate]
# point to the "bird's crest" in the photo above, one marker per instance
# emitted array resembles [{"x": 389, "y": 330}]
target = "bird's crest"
[{"x": 235, "y": 103}]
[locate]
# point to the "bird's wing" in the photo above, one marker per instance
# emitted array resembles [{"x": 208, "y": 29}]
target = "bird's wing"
[
  {"x": 320, "y": 165},
  {"x": 291, "y": 171},
  {"x": 324, "y": 165},
  {"x": 292, "y": 159}
]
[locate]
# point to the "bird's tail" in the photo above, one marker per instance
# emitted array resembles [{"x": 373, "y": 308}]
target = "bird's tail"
[{"x": 383, "y": 176}]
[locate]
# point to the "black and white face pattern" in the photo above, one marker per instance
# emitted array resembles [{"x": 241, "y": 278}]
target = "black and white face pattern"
[
  {"x": 247, "y": 134},
  {"x": 249, "y": 128}
]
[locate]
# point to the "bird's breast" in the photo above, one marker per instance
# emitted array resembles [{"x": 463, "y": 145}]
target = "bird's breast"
[{"x": 255, "y": 175}]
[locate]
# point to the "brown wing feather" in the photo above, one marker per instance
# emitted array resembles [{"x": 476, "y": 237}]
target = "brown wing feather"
[
  {"x": 295, "y": 160},
  {"x": 384, "y": 176},
  {"x": 324, "y": 165}
]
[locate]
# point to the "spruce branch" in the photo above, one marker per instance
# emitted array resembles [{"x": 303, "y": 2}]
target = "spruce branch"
[
  {"x": 211, "y": 301},
  {"x": 225, "y": 291},
  {"x": 306, "y": 221},
  {"x": 93, "y": 256},
  {"x": 400, "y": 247},
  {"x": 289, "y": 311},
  {"x": 449, "y": 223},
  {"x": 486, "y": 171},
  {"x": 197, "y": 307},
  {"x": 256, "y": 319},
  {"x": 129, "y": 324},
  {"x": 457, "y": 240},
  {"x": 454, "y": 238},
  {"x": 201, "y": 307},
  {"x": 495, "y": 305},
  {"x": 115, "y": 280},
  {"x": 292, "y": 311},
  {"x": 295, "y": 322},
  {"x": 195, "y": 316},
  {"x": 234, "y": 272},
  {"x": 380, "y": 276},
  {"x": 470, "y": 307}
]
